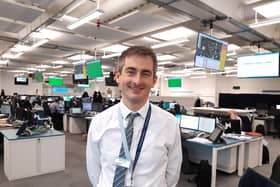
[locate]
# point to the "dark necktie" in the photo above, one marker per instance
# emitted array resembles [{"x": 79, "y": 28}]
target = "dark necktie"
[{"x": 120, "y": 171}]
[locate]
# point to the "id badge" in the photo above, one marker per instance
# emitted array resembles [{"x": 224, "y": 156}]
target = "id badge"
[{"x": 122, "y": 162}]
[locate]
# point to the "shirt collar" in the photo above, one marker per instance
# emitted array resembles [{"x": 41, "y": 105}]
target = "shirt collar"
[{"x": 142, "y": 111}]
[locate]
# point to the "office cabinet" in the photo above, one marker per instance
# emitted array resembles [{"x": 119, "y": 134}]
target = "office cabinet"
[{"x": 33, "y": 156}]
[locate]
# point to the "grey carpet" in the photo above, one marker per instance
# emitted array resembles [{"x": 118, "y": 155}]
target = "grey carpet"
[{"x": 75, "y": 174}]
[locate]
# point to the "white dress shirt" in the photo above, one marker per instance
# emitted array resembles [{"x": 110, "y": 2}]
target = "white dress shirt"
[{"x": 160, "y": 159}]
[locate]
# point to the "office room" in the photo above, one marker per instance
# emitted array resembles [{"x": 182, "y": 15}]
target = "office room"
[{"x": 217, "y": 78}]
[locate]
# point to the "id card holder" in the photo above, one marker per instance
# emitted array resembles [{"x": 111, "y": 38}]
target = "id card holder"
[{"x": 122, "y": 162}]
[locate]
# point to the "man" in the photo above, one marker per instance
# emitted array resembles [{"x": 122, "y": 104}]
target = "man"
[
  {"x": 157, "y": 163},
  {"x": 56, "y": 114}
]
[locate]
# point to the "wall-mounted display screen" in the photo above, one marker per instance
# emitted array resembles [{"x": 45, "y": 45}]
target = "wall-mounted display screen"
[
  {"x": 60, "y": 90},
  {"x": 94, "y": 69},
  {"x": 174, "y": 83},
  {"x": 21, "y": 80},
  {"x": 210, "y": 53},
  {"x": 80, "y": 71},
  {"x": 56, "y": 81},
  {"x": 258, "y": 65},
  {"x": 110, "y": 81}
]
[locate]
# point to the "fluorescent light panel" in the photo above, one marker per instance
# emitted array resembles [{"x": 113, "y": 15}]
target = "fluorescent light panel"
[
  {"x": 95, "y": 14},
  {"x": 265, "y": 23},
  {"x": 173, "y": 34},
  {"x": 124, "y": 16},
  {"x": 269, "y": 10},
  {"x": 164, "y": 44},
  {"x": 39, "y": 43},
  {"x": 111, "y": 55},
  {"x": 165, "y": 57},
  {"x": 81, "y": 57},
  {"x": 115, "y": 48}
]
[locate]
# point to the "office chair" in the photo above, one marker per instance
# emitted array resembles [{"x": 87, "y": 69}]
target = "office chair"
[
  {"x": 277, "y": 125},
  {"x": 254, "y": 179},
  {"x": 275, "y": 174},
  {"x": 246, "y": 124}
]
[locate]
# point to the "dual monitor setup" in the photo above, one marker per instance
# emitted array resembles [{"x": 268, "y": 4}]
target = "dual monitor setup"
[{"x": 197, "y": 123}]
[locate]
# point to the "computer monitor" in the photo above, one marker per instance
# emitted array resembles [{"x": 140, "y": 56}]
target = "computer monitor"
[
  {"x": 206, "y": 124},
  {"x": 5, "y": 109},
  {"x": 189, "y": 122},
  {"x": 235, "y": 126},
  {"x": 86, "y": 107},
  {"x": 166, "y": 105},
  {"x": 76, "y": 110},
  {"x": 172, "y": 105}
]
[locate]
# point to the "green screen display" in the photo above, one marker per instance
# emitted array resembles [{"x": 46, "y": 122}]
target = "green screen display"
[
  {"x": 56, "y": 81},
  {"x": 94, "y": 69},
  {"x": 175, "y": 83}
]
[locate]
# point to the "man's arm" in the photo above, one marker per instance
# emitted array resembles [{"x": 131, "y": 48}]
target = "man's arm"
[
  {"x": 174, "y": 160},
  {"x": 92, "y": 157}
]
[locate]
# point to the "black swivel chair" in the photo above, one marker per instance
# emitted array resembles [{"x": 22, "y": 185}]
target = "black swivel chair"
[
  {"x": 275, "y": 174},
  {"x": 277, "y": 125},
  {"x": 254, "y": 179},
  {"x": 246, "y": 124}
]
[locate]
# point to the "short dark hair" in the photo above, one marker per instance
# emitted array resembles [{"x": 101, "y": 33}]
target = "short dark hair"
[{"x": 138, "y": 50}]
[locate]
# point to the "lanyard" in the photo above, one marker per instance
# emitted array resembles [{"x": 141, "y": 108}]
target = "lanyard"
[{"x": 141, "y": 140}]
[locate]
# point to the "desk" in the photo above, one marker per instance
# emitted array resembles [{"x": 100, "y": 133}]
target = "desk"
[
  {"x": 253, "y": 152},
  {"x": 222, "y": 111},
  {"x": 33, "y": 155},
  {"x": 78, "y": 123},
  {"x": 215, "y": 148}
]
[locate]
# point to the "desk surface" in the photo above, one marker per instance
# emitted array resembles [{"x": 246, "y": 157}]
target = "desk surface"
[
  {"x": 229, "y": 141},
  {"x": 10, "y": 134},
  {"x": 222, "y": 110},
  {"x": 82, "y": 115}
]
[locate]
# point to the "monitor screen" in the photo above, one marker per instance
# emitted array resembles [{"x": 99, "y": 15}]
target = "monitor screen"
[
  {"x": 80, "y": 71},
  {"x": 165, "y": 105},
  {"x": 210, "y": 53},
  {"x": 86, "y": 107},
  {"x": 258, "y": 66},
  {"x": 206, "y": 124},
  {"x": 76, "y": 110},
  {"x": 172, "y": 105},
  {"x": 94, "y": 69},
  {"x": 21, "y": 80},
  {"x": 189, "y": 122},
  {"x": 5, "y": 109},
  {"x": 22, "y": 97},
  {"x": 67, "y": 98},
  {"x": 278, "y": 107},
  {"x": 110, "y": 81}
]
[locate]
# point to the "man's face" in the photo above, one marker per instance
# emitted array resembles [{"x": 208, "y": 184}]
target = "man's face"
[{"x": 136, "y": 79}]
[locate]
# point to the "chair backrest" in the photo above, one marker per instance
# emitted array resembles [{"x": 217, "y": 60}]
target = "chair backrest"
[
  {"x": 275, "y": 174},
  {"x": 254, "y": 179},
  {"x": 246, "y": 124}
]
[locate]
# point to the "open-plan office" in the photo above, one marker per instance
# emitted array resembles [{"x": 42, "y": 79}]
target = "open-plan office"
[{"x": 224, "y": 54}]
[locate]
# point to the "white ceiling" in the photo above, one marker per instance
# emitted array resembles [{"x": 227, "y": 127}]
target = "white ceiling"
[{"x": 126, "y": 22}]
